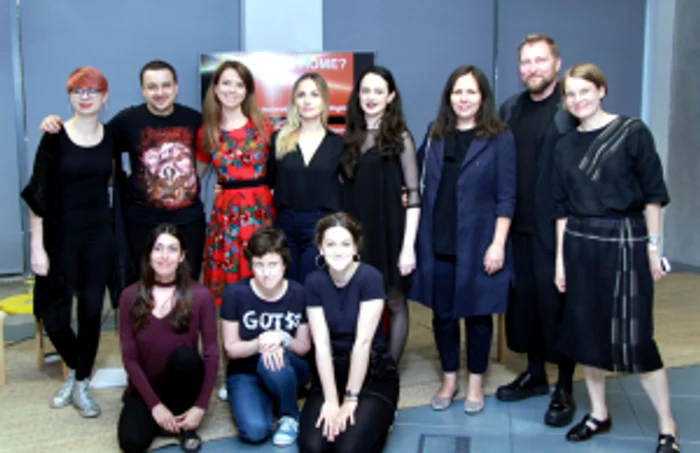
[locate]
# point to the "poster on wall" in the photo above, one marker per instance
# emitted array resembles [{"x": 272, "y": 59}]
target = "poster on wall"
[{"x": 275, "y": 73}]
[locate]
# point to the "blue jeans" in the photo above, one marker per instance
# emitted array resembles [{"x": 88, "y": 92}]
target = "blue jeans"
[
  {"x": 299, "y": 228},
  {"x": 253, "y": 397}
]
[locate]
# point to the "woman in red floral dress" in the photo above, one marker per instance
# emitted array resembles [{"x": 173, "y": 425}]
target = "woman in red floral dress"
[{"x": 234, "y": 139}]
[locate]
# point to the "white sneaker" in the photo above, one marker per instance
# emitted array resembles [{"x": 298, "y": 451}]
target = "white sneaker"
[
  {"x": 286, "y": 433},
  {"x": 82, "y": 400},
  {"x": 64, "y": 395},
  {"x": 222, "y": 394}
]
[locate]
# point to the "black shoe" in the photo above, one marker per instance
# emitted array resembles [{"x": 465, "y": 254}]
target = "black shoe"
[
  {"x": 587, "y": 428},
  {"x": 668, "y": 444},
  {"x": 561, "y": 409},
  {"x": 190, "y": 442},
  {"x": 524, "y": 386}
]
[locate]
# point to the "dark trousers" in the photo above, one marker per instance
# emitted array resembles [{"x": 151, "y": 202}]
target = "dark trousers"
[
  {"x": 374, "y": 415},
  {"x": 195, "y": 233},
  {"x": 299, "y": 228},
  {"x": 178, "y": 391},
  {"x": 446, "y": 329},
  {"x": 536, "y": 308},
  {"x": 87, "y": 258}
]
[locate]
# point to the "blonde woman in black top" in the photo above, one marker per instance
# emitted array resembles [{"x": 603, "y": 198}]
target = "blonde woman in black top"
[{"x": 303, "y": 171}]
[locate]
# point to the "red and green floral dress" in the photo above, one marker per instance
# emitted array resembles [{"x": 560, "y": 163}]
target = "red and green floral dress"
[{"x": 243, "y": 205}]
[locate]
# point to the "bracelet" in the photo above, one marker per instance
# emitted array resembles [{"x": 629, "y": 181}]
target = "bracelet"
[
  {"x": 350, "y": 394},
  {"x": 653, "y": 240},
  {"x": 286, "y": 339}
]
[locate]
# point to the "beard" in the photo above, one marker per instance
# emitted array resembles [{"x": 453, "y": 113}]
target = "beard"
[{"x": 538, "y": 87}]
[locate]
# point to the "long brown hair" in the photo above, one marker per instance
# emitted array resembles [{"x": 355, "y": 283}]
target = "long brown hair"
[
  {"x": 211, "y": 110},
  {"x": 143, "y": 302},
  {"x": 487, "y": 122}
]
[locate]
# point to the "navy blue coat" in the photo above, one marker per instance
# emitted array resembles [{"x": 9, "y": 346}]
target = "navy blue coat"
[{"x": 485, "y": 191}]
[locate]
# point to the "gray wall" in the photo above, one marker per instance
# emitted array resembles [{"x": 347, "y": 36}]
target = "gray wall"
[
  {"x": 11, "y": 245},
  {"x": 116, "y": 37},
  {"x": 421, "y": 42},
  {"x": 605, "y": 32},
  {"x": 682, "y": 221}
]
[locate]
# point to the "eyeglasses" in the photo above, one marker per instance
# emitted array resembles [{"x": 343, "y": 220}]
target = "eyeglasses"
[{"x": 90, "y": 92}]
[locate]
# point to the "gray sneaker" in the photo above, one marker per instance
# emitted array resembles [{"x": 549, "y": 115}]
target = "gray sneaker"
[
  {"x": 82, "y": 400},
  {"x": 64, "y": 395}
]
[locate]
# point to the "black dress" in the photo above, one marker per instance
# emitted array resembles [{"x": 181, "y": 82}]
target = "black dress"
[
  {"x": 373, "y": 197},
  {"x": 601, "y": 183}
]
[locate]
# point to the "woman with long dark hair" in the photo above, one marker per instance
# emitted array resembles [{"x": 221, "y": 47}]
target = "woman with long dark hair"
[
  {"x": 379, "y": 162},
  {"x": 162, "y": 319},
  {"x": 234, "y": 138},
  {"x": 303, "y": 170},
  {"x": 468, "y": 199},
  {"x": 355, "y": 383},
  {"x": 608, "y": 186},
  {"x": 72, "y": 240}
]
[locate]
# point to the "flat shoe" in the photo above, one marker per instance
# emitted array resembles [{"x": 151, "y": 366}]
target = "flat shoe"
[
  {"x": 668, "y": 444},
  {"x": 587, "y": 428},
  {"x": 473, "y": 407},
  {"x": 439, "y": 403},
  {"x": 190, "y": 442}
]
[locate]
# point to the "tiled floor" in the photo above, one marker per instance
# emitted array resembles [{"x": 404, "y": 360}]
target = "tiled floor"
[{"x": 518, "y": 428}]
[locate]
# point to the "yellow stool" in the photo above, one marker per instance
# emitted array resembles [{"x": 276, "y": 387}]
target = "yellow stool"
[{"x": 23, "y": 304}]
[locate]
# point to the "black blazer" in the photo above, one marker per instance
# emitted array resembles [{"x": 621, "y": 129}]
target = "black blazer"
[{"x": 561, "y": 123}]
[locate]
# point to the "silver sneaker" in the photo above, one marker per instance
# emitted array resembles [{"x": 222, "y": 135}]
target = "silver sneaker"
[
  {"x": 82, "y": 400},
  {"x": 64, "y": 395}
]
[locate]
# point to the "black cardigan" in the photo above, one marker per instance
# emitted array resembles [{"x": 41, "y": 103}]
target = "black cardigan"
[{"x": 42, "y": 195}]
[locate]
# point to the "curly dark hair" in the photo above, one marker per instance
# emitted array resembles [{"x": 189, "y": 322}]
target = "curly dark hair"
[
  {"x": 339, "y": 219},
  {"x": 488, "y": 123},
  {"x": 143, "y": 302},
  {"x": 391, "y": 127}
]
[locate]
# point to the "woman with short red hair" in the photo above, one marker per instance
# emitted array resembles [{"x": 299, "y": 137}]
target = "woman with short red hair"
[{"x": 71, "y": 233}]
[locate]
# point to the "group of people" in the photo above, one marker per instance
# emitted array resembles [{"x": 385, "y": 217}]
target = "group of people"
[{"x": 548, "y": 211}]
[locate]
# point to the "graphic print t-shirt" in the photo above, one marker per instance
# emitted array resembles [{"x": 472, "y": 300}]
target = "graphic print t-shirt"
[
  {"x": 255, "y": 316},
  {"x": 161, "y": 180}
]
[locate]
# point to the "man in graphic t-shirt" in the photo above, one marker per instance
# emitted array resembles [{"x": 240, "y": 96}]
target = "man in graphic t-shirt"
[{"x": 158, "y": 181}]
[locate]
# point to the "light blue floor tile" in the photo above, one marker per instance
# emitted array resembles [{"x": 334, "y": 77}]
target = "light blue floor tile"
[
  {"x": 604, "y": 443},
  {"x": 685, "y": 412},
  {"x": 491, "y": 420},
  {"x": 681, "y": 381},
  {"x": 526, "y": 417}
]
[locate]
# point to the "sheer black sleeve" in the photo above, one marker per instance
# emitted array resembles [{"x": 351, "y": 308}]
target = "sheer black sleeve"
[
  {"x": 43, "y": 181},
  {"x": 409, "y": 165}
]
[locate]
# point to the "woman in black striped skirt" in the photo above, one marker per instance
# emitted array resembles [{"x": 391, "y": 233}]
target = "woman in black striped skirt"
[{"x": 609, "y": 190}]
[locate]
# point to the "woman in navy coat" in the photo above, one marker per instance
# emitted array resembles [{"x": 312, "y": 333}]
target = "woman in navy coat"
[{"x": 464, "y": 260}]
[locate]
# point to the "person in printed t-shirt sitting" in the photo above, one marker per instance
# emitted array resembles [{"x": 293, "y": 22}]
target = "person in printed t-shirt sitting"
[{"x": 265, "y": 336}]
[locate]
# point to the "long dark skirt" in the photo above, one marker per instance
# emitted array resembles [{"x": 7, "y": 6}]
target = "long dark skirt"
[{"x": 608, "y": 315}]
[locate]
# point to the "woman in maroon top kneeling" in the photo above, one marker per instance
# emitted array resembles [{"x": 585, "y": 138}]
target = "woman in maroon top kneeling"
[{"x": 161, "y": 319}]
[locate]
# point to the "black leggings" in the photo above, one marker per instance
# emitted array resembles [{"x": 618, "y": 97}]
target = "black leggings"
[
  {"x": 87, "y": 257},
  {"x": 373, "y": 417},
  {"x": 181, "y": 385},
  {"x": 194, "y": 232}
]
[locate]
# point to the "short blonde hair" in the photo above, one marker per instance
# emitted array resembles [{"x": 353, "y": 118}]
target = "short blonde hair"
[
  {"x": 537, "y": 37},
  {"x": 585, "y": 71}
]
